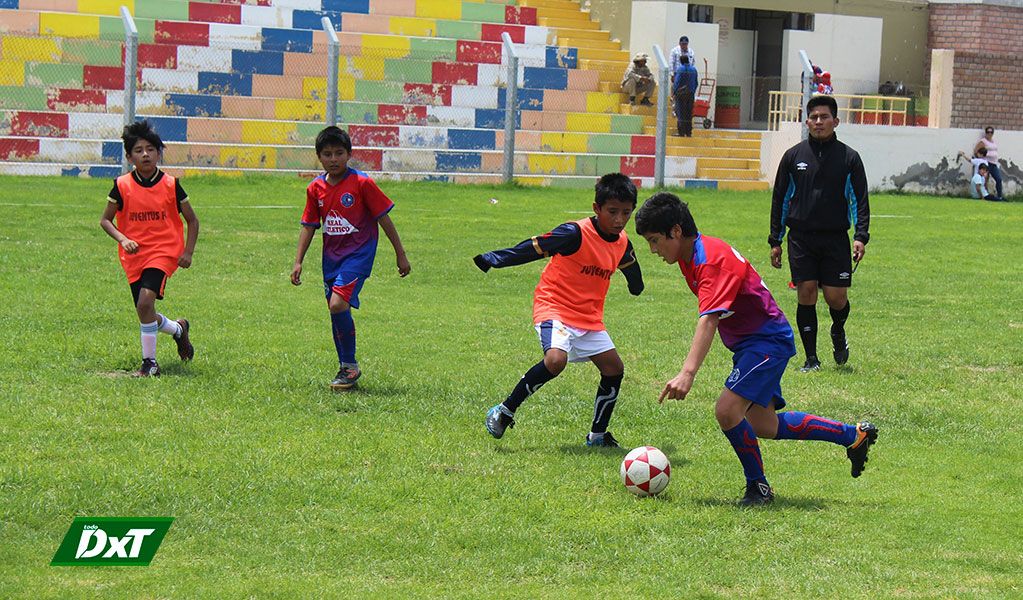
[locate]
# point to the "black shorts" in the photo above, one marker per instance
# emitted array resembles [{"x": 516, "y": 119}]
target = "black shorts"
[
  {"x": 821, "y": 256},
  {"x": 151, "y": 279}
]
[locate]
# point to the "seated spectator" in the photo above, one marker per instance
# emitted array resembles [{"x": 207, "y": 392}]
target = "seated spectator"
[
  {"x": 978, "y": 187},
  {"x": 638, "y": 81}
]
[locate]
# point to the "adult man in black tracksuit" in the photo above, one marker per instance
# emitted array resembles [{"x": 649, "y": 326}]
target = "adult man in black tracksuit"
[{"x": 819, "y": 192}]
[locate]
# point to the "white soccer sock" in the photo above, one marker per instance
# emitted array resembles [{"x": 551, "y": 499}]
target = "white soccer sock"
[
  {"x": 148, "y": 336},
  {"x": 168, "y": 325}
]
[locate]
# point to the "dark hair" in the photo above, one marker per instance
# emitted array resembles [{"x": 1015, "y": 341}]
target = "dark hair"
[
  {"x": 684, "y": 38},
  {"x": 983, "y": 166},
  {"x": 823, "y": 101},
  {"x": 615, "y": 186},
  {"x": 989, "y": 129},
  {"x": 663, "y": 211},
  {"x": 141, "y": 130},
  {"x": 333, "y": 136},
  {"x": 982, "y": 151}
]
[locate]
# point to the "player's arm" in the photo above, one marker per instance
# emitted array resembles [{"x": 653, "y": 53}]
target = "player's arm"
[
  {"x": 861, "y": 236},
  {"x": 679, "y": 386},
  {"x": 629, "y": 267},
  {"x": 404, "y": 268},
  {"x": 305, "y": 237},
  {"x": 781, "y": 187},
  {"x": 564, "y": 239},
  {"x": 106, "y": 221},
  {"x": 192, "y": 221}
]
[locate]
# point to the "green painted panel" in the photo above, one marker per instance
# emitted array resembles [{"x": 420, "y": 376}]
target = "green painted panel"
[
  {"x": 379, "y": 91},
  {"x": 160, "y": 9},
  {"x": 408, "y": 71},
  {"x": 356, "y": 113},
  {"x": 608, "y": 164},
  {"x": 92, "y": 52},
  {"x": 459, "y": 30},
  {"x": 626, "y": 124},
  {"x": 586, "y": 164},
  {"x": 51, "y": 75},
  {"x": 570, "y": 182},
  {"x": 29, "y": 98},
  {"x": 603, "y": 143},
  {"x": 432, "y": 49},
  {"x": 487, "y": 13},
  {"x": 146, "y": 28},
  {"x": 297, "y": 158},
  {"x": 307, "y": 132},
  {"x": 111, "y": 28}
]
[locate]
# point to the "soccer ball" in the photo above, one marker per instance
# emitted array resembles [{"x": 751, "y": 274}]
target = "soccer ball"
[{"x": 646, "y": 471}]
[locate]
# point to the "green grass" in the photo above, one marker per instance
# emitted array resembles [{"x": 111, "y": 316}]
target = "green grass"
[{"x": 282, "y": 488}]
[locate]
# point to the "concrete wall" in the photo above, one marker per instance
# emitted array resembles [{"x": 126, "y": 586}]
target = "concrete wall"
[
  {"x": 848, "y": 47},
  {"x": 910, "y": 159},
  {"x": 735, "y": 60}
]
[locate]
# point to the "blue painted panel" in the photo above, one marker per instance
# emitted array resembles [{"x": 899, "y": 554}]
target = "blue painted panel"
[
  {"x": 193, "y": 105},
  {"x": 351, "y": 6},
  {"x": 257, "y": 61},
  {"x": 544, "y": 78},
  {"x": 493, "y": 118},
  {"x": 12, "y": 4},
  {"x": 287, "y": 40},
  {"x": 525, "y": 99},
  {"x": 472, "y": 139},
  {"x": 105, "y": 172},
  {"x": 225, "y": 84},
  {"x": 310, "y": 19},
  {"x": 113, "y": 151},
  {"x": 171, "y": 129},
  {"x": 459, "y": 161},
  {"x": 710, "y": 184},
  {"x": 566, "y": 58}
]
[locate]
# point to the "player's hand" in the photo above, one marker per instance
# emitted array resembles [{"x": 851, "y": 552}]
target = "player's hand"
[
  {"x": 776, "y": 257},
  {"x": 404, "y": 268},
  {"x": 676, "y": 389},
  {"x": 859, "y": 249},
  {"x": 296, "y": 274},
  {"x": 185, "y": 260},
  {"x": 130, "y": 246}
]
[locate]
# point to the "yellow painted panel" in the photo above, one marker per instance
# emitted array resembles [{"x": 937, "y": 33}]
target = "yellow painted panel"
[
  {"x": 268, "y": 132},
  {"x": 385, "y": 46},
  {"x": 105, "y": 7},
  {"x": 345, "y": 88},
  {"x": 298, "y": 110},
  {"x": 531, "y": 181},
  {"x": 35, "y": 49},
  {"x": 367, "y": 68},
  {"x": 574, "y": 142},
  {"x": 314, "y": 88},
  {"x": 196, "y": 172},
  {"x": 585, "y": 122},
  {"x": 439, "y": 9},
  {"x": 12, "y": 72},
  {"x": 413, "y": 26},
  {"x": 552, "y": 164},
  {"x": 551, "y": 141},
  {"x": 69, "y": 25},
  {"x": 249, "y": 158},
  {"x": 599, "y": 102}
]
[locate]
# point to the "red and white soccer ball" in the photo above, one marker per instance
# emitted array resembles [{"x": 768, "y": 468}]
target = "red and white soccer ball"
[{"x": 646, "y": 471}]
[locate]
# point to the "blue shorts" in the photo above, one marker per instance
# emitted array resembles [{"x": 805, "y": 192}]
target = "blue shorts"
[
  {"x": 347, "y": 285},
  {"x": 756, "y": 376}
]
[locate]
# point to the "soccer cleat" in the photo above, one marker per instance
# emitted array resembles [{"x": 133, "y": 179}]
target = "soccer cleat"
[
  {"x": 149, "y": 368},
  {"x": 866, "y": 436},
  {"x": 185, "y": 349},
  {"x": 602, "y": 440},
  {"x": 841, "y": 348},
  {"x": 811, "y": 365},
  {"x": 346, "y": 378},
  {"x": 758, "y": 493},
  {"x": 498, "y": 419}
]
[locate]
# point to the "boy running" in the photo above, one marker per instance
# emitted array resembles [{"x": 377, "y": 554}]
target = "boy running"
[
  {"x": 734, "y": 301},
  {"x": 349, "y": 205},
  {"x": 568, "y": 304}
]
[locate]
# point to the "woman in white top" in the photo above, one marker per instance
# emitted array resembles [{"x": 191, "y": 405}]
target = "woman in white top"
[{"x": 992, "y": 157}]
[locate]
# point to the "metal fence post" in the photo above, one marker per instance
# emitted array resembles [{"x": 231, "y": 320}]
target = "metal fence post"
[
  {"x": 333, "y": 56},
  {"x": 662, "y": 117},
  {"x": 131, "y": 61},
  {"x": 510, "y": 104}
]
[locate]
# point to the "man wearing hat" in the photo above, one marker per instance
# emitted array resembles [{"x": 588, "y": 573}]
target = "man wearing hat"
[
  {"x": 638, "y": 80},
  {"x": 677, "y": 53}
]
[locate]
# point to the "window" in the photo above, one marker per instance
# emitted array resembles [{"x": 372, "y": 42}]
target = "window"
[
  {"x": 800, "y": 21},
  {"x": 745, "y": 18},
  {"x": 701, "y": 13}
]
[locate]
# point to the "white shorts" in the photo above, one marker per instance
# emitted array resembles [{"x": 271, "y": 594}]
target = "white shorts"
[{"x": 580, "y": 344}]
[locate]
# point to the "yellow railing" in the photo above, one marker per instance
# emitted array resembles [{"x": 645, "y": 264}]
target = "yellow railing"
[{"x": 852, "y": 108}]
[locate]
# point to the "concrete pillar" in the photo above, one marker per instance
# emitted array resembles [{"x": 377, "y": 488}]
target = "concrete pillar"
[{"x": 942, "y": 63}]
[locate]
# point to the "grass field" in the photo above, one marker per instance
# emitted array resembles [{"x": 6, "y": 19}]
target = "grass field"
[{"x": 282, "y": 488}]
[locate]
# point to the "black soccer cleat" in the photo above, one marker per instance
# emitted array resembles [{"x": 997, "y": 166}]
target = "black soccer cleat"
[
  {"x": 841, "y": 345},
  {"x": 811, "y": 365},
  {"x": 602, "y": 440},
  {"x": 866, "y": 436},
  {"x": 149, "y": 368},
  {"x": 345, "y": 378},
  {"x": 185, "y": 349},
  {"x": 498, "y": 419},
  {"x": 758, "y": 493}
]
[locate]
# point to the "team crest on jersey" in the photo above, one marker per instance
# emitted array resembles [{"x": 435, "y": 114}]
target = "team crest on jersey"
[
  {"x": 347, "y": 200},
  {"x": 335, "y": 224}
]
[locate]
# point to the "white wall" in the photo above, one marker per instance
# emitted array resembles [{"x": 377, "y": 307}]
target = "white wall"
[
  {"x": 848, "y": 47},
  {"x": 656, "y": 23},
  {"x": 735, "y": 56}
]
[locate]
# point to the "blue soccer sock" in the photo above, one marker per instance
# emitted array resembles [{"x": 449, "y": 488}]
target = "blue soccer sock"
[
  {"x": 532, "y": 381},
  {"x": 744, "y": 442},
  {"x": 604, "y": 404},
  {"x": 794, "y": 425},
  {"x": 343, "y": 328}
]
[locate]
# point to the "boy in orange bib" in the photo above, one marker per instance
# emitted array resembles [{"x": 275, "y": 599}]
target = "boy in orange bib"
[
  {"x": 568, "y": 304},
  {"x": 145, "y": 204}
]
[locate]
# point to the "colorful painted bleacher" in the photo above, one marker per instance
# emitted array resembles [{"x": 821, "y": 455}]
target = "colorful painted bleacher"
[{"x": 235, "y": 85}]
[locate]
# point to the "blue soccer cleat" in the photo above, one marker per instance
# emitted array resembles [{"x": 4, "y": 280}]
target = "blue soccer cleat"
[
  {"x": 602, "y": 440},
  {"x": 498, "y": 419}
]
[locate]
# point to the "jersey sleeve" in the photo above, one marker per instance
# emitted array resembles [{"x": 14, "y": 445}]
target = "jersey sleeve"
[
  {"x": 377, "y": 202},
  {"x": 563, "y": 239},
  {"x": 718, "y": 289},
  {"x": 115, "y": 196},
  {"x": 179, "y": 193},
  {"x": 311, "y": 214}
]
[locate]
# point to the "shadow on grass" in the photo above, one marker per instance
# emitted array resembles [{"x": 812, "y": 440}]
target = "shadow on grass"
[
  {"x": 808, "y": 504},
  {"x": 582, "y": 449}
]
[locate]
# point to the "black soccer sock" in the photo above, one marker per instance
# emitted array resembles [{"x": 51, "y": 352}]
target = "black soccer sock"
[
  {"x": 838, "y": 318},
  {"x": 604, "y": 404},
  {"x": 806, "y": 321},
  {"x": 533, "y": 380}
]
